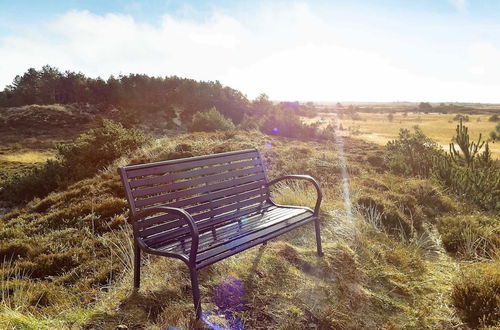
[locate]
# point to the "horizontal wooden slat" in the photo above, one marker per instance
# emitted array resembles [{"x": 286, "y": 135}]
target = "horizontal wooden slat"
[
  {"x": 170, "y": 177},
  {"x": 204, "y": 215},
  {"x": 202, "y": 199},
  {"x": 195, "y": 182},
  {"x": 255, "y": 239},
  {"x": 222, "y": 218},
  {"x": 200, "y": 190},
  {"x": 207, "y": 241},
  {"x": 187, "y": 163},
  {"x": 249, "y": 234},
  {"x": 202, "y": 207},
  {"x": 235, "y": 235}
]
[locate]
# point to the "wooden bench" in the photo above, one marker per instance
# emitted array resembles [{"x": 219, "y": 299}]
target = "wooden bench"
[{"x": 207, "y": 208}]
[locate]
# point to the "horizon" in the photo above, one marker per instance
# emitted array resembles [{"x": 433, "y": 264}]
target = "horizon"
[{"x": 421, "y": 51}]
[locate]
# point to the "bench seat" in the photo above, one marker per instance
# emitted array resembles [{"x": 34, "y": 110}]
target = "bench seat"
[{"x": 240, "y": 233}]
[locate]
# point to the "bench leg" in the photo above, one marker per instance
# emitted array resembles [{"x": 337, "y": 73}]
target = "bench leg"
[
  {"x": 196, "y": 292},
  {"x": 137, "y": 266},
  {"x": 318, "y": 237}
]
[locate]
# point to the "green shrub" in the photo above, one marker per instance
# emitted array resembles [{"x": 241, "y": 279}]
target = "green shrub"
[
  {"x": 411, "y": 153},
  {"x": 209, "y": 121},
  {"x": 287, "y": 124},
  {"x": 476, "y": 294},
  {"x": 432, "y": 201},
  {"x": 250, "y": 123},
  {"x": 89, "y": 153},
  {"x": 470, "y": 236},
  {"x": 94, "y": 150},
  {"x": 470, "y": 170},
  {"x": 37, "y": 182}
]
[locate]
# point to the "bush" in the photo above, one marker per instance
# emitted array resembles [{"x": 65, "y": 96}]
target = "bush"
[
  {"x": 94, "y": 150},
  {"x": 471, "y": 236},
  {"x": 461, "y": 118},
  {"x": 469, "y": 170},
  {"x": 250, "y": 123},
  {"x": 38, "y": 182},
  {"x": 412, "y": 153},
  {"x": 494, "y": 118},
  {"x": 209, "y": 121},
  {"x": 89, "y": 153},
  {"x": 476, "y": 294},
  {"x": 495, "y": 134},
  {"x": 287, "y": 124}
]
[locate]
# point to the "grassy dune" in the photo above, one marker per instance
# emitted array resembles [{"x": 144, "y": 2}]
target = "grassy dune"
[{"x": 67, "y": 257}]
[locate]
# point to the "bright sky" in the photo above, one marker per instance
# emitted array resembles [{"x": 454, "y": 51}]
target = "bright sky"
[{"x": 352, "y": 50}]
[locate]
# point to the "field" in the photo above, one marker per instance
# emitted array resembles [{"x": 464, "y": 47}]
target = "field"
[{"x": 377, "y": 128}]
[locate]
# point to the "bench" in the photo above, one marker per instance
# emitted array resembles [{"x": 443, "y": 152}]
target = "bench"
[{"x": 204, "y": 209}]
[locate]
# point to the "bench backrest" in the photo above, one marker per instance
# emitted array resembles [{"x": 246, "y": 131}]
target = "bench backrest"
[{"x": 211, "y": 188}]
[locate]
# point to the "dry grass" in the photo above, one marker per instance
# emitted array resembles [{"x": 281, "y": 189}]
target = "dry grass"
[
  {"x": 29, "y": 157},
  {"x": 367, "y": 279},
  {"x": 376, "y": 127}
]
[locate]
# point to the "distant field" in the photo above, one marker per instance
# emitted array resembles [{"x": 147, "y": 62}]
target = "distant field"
[{"x": 377, "y": 128}]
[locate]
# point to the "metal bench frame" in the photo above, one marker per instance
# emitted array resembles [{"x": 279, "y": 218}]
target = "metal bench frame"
[{"x": 189, "y": 227}]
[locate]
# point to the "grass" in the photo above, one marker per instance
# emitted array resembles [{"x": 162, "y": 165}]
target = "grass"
[
  {"x": 26, "y": 157},
  {"x": 76, "y": 244},
  {"x": 68, "y": 255}
]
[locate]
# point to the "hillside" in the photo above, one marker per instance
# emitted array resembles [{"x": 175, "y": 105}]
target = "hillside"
[{"x": 67, "y": 256}]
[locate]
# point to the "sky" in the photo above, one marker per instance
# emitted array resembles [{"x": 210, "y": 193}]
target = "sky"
[{"x": 357, "y": 50}]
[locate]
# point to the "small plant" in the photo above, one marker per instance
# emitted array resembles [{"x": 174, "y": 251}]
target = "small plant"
[
  {"x": 89, "y": 153},
  {"x": 469, "y": 170},
  {"x": 209, "y": 121},
  {"x": 470, "y": 236},
  {"x": 411, "y": 153},
  {"x": 476, "y": 294},
  {"x": 494, "y": 118},
  {"x": 287, "y": 124},
  {"x": 461, "y": 118},
  {"x": 468, "y": 150},
  {"x": 495, "y": 134}
]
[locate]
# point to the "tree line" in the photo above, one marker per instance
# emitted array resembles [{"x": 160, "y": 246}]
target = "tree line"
[{"x": 136, "y": 93}]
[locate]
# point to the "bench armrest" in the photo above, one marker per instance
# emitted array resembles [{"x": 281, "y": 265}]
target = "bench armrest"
[
  {"x": 307, "y": 178},
  {"x": 172, "y": 210}
]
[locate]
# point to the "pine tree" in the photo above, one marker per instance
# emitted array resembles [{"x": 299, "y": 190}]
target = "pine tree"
[{"x": 469, "y": 149}]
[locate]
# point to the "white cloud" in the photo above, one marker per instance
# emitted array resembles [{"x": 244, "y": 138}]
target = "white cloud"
[
  {"x": 484, "y": 60},
  {"x": 288, "y": 51}
]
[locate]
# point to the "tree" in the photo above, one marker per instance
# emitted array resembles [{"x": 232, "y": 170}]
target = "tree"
[
  {"x": 209, "y": 121},
  {"x": 261, "y": 106},
  {"x": 469, "y": 150},
  {"x": 495, "y": 134},
  {"x": 424, "y": 106}
]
